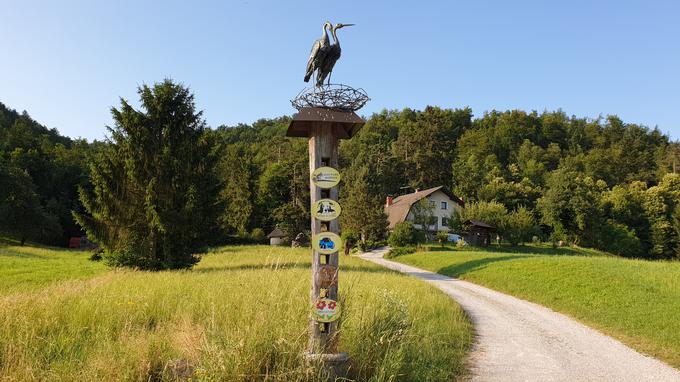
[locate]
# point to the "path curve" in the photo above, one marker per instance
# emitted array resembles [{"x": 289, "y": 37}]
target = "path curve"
[{"x": 517, "y": 340}]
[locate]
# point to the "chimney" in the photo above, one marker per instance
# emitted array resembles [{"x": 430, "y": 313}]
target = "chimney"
[
  {"x": 388, "y": 201},
  {"x": 416, "y": 190}
]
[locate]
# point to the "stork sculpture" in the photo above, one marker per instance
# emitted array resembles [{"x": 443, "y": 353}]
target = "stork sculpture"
[
  {"x": 332, "y": 56},
  {"x": 318, "y": 53},
  {"x": 324, "y": 56}
]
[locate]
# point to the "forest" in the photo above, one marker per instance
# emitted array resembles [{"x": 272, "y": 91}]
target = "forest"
[{"x": 600, "y": 183}]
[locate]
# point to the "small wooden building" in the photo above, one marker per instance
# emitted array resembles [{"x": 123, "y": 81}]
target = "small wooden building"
[
  {"x": 478, "y": 233},
  {"x": 276, "y": 237}
]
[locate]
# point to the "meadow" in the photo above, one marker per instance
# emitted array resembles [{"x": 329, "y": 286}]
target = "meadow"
[
  {"x": 635, "y": 301},
  {"x": 240, "y": 315}
]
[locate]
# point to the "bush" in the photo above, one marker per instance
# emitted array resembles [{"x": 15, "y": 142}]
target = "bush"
[
  {"x": 258, "y": 235},
  {"x": 620, "y": 240},
  {"x": 403, "y": 235},
  {"x": 350, "y": 239},
  {"x": 399, "y": 251},
  {"x": 461, "y": 243},
  {"x": 369, "y": 245},
  {"x": 442, "y": 237}
]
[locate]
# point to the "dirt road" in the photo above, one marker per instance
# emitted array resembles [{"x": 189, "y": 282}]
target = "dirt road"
[{"x": 517, "y": 340}]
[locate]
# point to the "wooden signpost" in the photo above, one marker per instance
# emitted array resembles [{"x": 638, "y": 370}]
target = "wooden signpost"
[{"x": 324, "y": 127}]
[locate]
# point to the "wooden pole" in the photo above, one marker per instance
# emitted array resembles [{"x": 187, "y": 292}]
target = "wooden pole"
[
  {"x": 323, "y": 338},
  {"x": 324, "y": 127}
]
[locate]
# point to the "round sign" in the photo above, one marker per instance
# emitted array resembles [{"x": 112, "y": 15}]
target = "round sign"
[
  {"x": 326, "y": 177},
  {"x": 326, "y": 310},
  {"x": 326, "y": 210},
  {"x": 326, "y": 243}
]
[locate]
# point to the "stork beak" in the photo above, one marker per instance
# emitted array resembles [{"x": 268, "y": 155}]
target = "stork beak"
[{"x": 347, "y": 25}]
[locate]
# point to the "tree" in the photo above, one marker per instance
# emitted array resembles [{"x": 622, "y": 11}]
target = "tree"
[
  {"x": 21, "y": 214},
  {"x": 362, "y": 212},
  {"x": 571, "y": 206},
  {"x": 520, "y": 226},
  {"x": 233, "y": 170},
  {"x": 153, "y": 198},
  {"x": 402, "y": 235},
  {"x": 423, "y": 215}
]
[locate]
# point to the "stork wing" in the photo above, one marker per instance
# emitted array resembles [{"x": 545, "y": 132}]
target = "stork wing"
[{"x": 311, "y": 61}]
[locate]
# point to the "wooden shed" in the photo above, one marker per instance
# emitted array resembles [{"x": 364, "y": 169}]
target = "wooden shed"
[
  {"x": 478, "y": 233},
  {"x": 276, "y": 237}
]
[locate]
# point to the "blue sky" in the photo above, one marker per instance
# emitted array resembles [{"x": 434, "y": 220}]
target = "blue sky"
[{"x": 68, "y": 62}]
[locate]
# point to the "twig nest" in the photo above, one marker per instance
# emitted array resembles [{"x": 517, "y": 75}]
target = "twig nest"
[{"x": 332, "y": 96}]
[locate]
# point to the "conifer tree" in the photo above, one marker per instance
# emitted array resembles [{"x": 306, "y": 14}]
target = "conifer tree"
[{"x": 151, "y": 205}]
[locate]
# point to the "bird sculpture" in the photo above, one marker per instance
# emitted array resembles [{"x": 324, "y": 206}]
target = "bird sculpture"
[
  {"x": 331, "y": 57},
  {"x": 318, "y": 53}
]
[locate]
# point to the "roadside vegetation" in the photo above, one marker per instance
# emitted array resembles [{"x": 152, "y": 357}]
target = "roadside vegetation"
[
  {"x": 240, "y": 315},
  {"x": 636, "y": 301}
]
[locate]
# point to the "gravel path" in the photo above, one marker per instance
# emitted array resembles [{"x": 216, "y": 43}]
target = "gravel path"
[{"x": 517, "y": 340}]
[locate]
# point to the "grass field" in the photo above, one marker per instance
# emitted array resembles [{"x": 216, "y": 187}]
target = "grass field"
[
  {"x": 635, "y": 301},
  {"x": 240, "y": 315}
]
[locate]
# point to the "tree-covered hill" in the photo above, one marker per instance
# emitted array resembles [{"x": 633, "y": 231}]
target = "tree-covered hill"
[
  {"x": 40, "y": 171},
  {"x": 595, "y": 182}
]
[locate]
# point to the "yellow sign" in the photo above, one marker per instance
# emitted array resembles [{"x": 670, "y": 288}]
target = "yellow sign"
[
  {"x": 326, "y": 243},
  {"x": 326, "y": 177},
  {"x": 326, "y": 210},
  {"x": 326, "y": 310}
]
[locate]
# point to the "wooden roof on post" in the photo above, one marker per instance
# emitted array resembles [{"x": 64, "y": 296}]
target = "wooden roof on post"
[{"x": 344, "y": 123}]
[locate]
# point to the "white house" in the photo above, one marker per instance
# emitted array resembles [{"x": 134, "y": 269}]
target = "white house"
[{"x": 445, "y": 203}]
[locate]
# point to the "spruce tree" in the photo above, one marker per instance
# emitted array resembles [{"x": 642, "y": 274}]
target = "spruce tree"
[{"x": 151, "y": 205}]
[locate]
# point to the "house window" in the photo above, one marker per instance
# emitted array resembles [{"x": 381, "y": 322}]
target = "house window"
[
  {"x": 433, "y": 221},
  {"x": 445, "y": 222},
  {"x": 433, "y": 204},
  {"x": 445, "y": 206}
]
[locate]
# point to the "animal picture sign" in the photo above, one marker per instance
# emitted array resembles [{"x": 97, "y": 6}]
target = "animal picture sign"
[
  {"x": 326, "y": 210},
  {"x": 325, "y": 177},
  {"x": 327, "y": 276},
  {"x": 326, "y": 243},
  {"x": 325, "y": 310}
]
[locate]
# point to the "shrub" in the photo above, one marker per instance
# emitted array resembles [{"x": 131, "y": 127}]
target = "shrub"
[
  {"x": 461, "y": 243},
  {"x": 349, "y": 239},
  {"x": 442, "y": 237},
  {"x": 403, "y": 235},
  {"x": 620, "y": 240},
  {"x": 399, "y": 251},
  {"x": 369, "y": 245},
  {"x": 257, "y": 234}
]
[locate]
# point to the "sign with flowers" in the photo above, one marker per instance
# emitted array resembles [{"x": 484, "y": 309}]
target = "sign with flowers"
[{"x": 326, "y": 310}]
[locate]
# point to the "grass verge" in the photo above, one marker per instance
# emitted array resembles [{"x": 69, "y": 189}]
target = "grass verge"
[
  {"x": 240, "y": 315},
  {"x": 635, "y": 301}
]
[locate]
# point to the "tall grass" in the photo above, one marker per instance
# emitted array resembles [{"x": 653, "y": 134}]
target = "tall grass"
[
  {"x": 240, "y": 315},
  {"x": 27, "y": 267},
  {"x": 636, "y": 301}
]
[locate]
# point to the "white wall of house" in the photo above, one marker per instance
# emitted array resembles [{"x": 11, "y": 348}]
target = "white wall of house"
[{"x": 444, "y": 208}]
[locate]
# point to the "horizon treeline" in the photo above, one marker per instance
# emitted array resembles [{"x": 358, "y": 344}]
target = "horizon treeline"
[{"x": 599, "y": 182}]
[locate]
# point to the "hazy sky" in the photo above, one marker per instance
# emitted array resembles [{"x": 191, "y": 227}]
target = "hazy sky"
[{"x": 68, "y": 62}]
